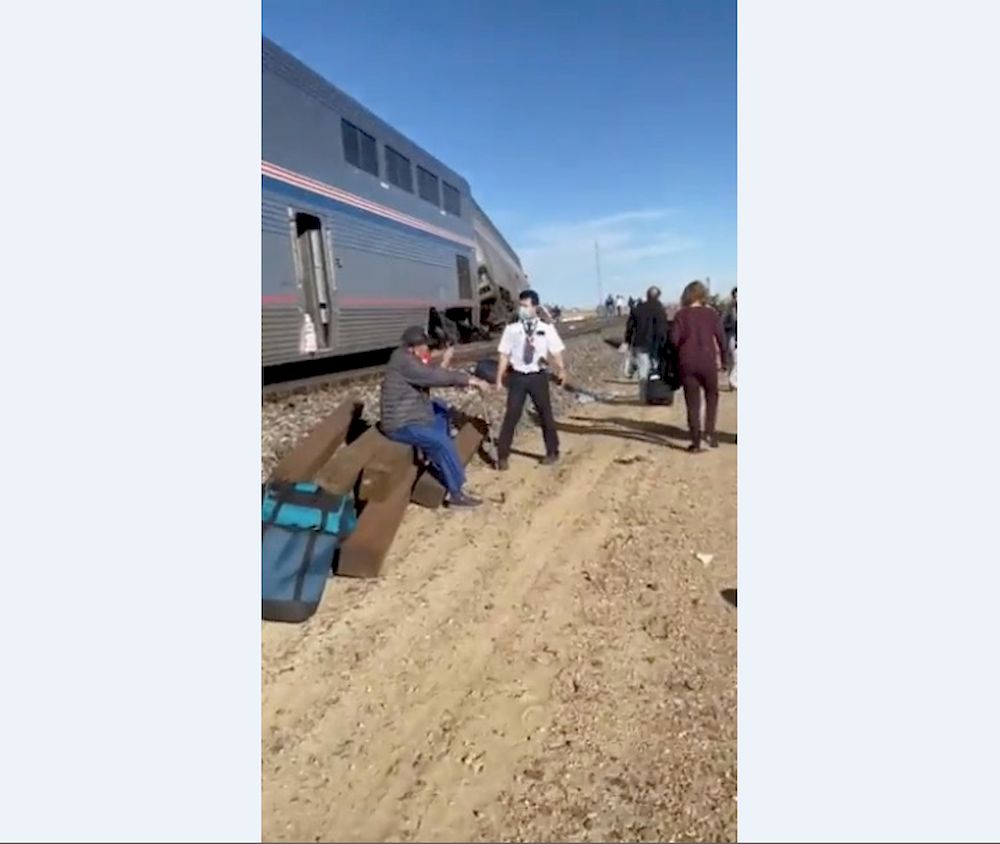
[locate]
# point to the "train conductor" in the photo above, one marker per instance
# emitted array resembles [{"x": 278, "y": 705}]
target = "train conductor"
[{"x": 525, "y": 348}]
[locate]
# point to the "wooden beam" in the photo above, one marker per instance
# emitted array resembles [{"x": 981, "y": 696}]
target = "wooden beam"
[
  {"x": 385, "y": 470},
  {"x": 364, "y": 552},
  {"x": 341, "y": 472},
  {"x": 308, "y": 456}
]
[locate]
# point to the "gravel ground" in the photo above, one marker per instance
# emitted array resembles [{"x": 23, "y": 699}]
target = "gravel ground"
[
  {"x": 285, "y": 420},
  {"x": 559, "y": 665}
]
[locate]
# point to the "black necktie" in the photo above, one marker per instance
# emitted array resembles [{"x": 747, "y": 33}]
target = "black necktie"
[{"x": 529, "y": 346}]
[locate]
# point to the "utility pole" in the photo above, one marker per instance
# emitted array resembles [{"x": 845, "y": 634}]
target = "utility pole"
[{"x": 600, "y": 286}]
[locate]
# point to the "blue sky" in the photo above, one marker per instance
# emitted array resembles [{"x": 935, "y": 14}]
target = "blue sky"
[{"x": 573, "y": 121}]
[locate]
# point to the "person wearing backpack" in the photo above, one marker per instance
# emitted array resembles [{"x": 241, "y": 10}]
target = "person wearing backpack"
[{"x": 410, "y": 416}]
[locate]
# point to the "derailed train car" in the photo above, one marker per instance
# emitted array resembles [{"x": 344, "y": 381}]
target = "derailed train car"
[
  {"x": 362, "y": 232},
  {"x": 501, "y": 277}
]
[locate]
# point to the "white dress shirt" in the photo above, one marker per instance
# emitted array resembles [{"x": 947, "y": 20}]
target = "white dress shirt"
[{"x": 546, "y": 341}]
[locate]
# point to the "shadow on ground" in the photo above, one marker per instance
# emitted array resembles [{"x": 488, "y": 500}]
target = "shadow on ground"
[
  {"x": 639, "y": 430},
  {"x": 533, "y": 455}
]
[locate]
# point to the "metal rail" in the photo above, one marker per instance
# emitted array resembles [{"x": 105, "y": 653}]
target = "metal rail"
[{"x": 468, "y": 353}]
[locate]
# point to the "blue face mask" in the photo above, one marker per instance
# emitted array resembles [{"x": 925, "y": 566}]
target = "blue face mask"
[{"x": 526, "y": 313}]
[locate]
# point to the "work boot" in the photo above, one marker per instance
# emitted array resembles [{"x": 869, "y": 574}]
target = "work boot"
[
  {"x": 503, "y": 464},
  {"x": 463, "y": 500},
  {"x": 550, "y": 459}
]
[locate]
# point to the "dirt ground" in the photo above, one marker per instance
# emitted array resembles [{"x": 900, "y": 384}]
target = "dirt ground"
[{"x": 559, "y": 665}]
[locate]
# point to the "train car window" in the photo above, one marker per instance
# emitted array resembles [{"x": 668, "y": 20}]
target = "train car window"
[
  {"x": 427, "y": 184},
  {"x": 452, "y": 199},
  {"x": 369, "y": 158},
  {"x": 398, "y": 170},
  {"x": 359, "y": 148}
]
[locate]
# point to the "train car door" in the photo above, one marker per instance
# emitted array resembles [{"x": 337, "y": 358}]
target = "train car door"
[{"x": 315, "y": 276}]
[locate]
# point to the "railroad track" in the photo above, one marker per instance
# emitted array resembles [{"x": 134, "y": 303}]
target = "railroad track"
[{"x": 468, "y": 353}]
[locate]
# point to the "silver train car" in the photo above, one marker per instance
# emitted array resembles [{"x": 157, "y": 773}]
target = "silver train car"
[{"x": 363, "y": 232}]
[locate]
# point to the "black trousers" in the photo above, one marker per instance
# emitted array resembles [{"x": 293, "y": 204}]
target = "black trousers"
[
  {"x": 694, "y": 382},
  {"x": 519, "y": 386}
]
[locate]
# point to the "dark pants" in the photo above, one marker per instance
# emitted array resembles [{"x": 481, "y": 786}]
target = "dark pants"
[
  {"x": 693, "y": 383},
  {"x": 519, "y": 387},
  {"x": 435, "y": 441}
]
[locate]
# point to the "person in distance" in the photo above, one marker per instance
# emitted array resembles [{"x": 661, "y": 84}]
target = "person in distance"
[
  {"x": 729, "y": 323},
  {"x": 411, "y": 416},
  {"x": 646, "y": 333}
]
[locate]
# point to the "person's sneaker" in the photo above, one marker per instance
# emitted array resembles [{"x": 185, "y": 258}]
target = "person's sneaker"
[
  {"x": 550, "y": 459},
  {"x": 463, "y": 500},
  {"x": 713, "y": 440},
  {"x": 503, "y": 464}
]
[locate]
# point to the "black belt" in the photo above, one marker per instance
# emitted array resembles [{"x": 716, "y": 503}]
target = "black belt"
[{"x": 536, "y": 372}]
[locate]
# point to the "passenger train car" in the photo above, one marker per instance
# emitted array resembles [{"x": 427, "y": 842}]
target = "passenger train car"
[{"x": 362, "y": 232}]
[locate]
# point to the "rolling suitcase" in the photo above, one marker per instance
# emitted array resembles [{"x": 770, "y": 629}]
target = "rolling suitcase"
[{"x": 658, "y": 391}]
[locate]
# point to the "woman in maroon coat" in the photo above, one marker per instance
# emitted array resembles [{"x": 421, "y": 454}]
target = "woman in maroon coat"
[{"x": 700, "y": 341}]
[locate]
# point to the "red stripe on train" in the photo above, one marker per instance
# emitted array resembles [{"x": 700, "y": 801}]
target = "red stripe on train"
[{"x": 368, "y": 302}]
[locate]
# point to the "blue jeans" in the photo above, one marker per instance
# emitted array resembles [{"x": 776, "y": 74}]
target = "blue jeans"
[
  {"x": 434, "y": 440},
  {"x": 644, "y": 364}
]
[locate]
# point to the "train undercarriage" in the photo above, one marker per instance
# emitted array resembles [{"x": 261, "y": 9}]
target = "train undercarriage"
[{"x": 465, "y": 325}]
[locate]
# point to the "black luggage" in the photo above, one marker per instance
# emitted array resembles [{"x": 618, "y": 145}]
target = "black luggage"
[
  {"x": 668, "y": 367},
  {"x": 658, "y": 391}
]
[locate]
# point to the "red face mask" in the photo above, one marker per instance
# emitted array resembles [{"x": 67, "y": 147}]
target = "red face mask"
[{"x": 424, "y": 357}]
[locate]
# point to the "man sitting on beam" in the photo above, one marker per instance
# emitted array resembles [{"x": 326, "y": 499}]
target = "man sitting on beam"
[{"x": 410, "y": 416}]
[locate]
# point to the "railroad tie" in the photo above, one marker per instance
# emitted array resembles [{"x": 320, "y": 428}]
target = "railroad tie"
[
  {"x": 309, "y": 456},
  {"x": 364, "y": 552},
  {"x": 341, "y": 472},
  {"x": 385, "y": 470}
]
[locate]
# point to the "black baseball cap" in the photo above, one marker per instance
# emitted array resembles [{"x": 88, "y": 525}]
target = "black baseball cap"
[{"x": 415, "y": 336}]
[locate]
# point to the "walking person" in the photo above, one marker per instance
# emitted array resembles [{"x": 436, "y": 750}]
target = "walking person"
[
  {"x": 646, "y": 334},
  {"x": 526, "y": 345},
  {"x": 410, "y": 416},
  {"x": 700, "y": 342},
  {"x": 626, "y": 348},
  {"x": 729, "y": 324}
]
